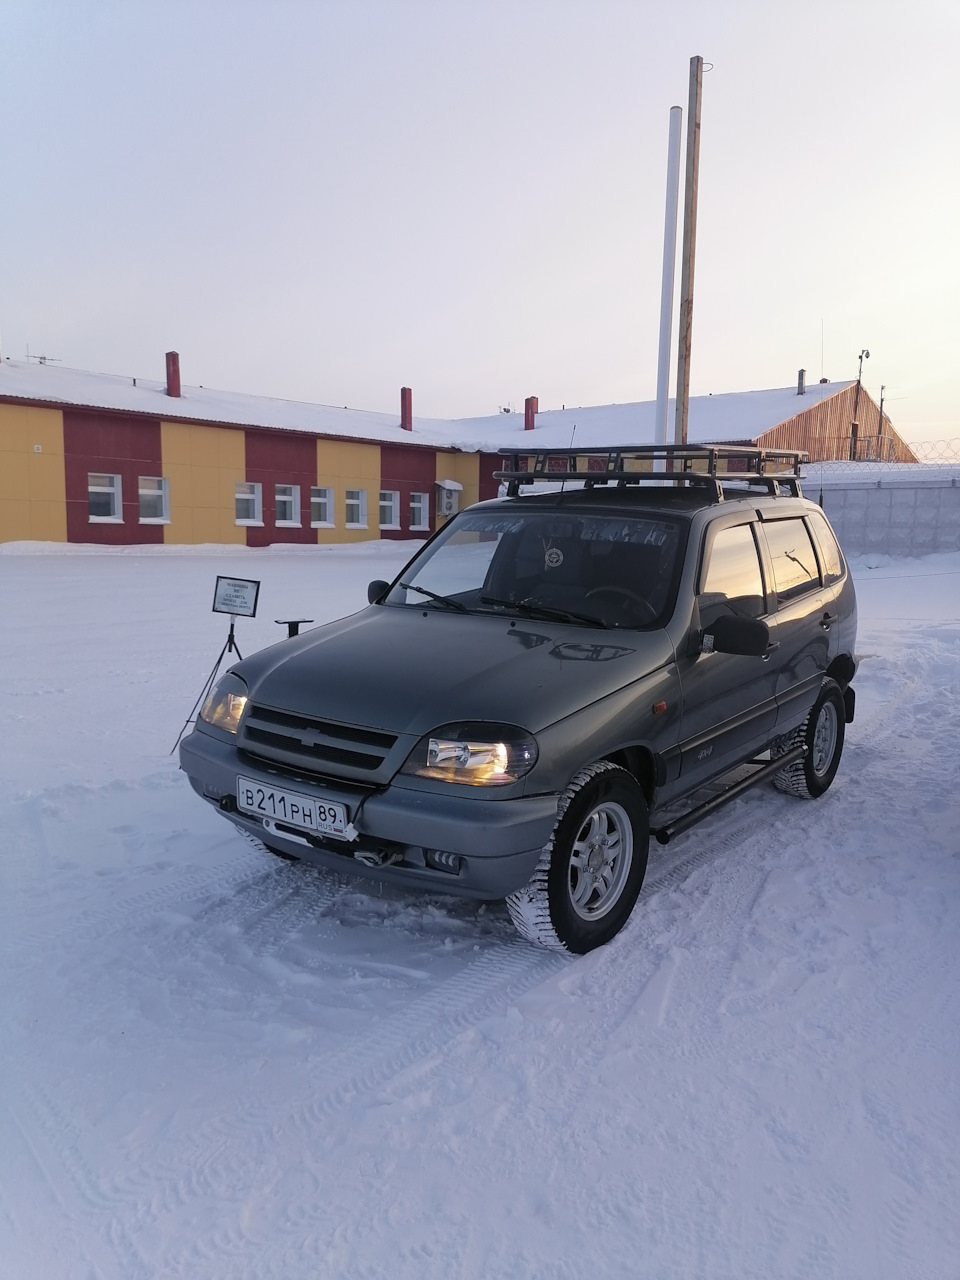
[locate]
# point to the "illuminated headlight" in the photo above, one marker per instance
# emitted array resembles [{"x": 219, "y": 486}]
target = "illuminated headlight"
[
  {"x": 478, "y": 754},
  {"x": 224, "y": 705}
]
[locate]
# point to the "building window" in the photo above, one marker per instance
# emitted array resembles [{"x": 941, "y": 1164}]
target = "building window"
[
  {"x": 154, "y": 500},
  {"x": 105, "y": 498},
  {"x": 389, "y": 509},
  {"x": 288, "y": 504},
  {"x": 248, "y": 502},
  {"x": 321, "y": 508},
  {"x": 356, "y": 508},
  {"x": 420, "y": 511}
]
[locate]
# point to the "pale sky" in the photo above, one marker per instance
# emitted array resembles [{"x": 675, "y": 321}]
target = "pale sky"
[{"x": 328, "y": 199}]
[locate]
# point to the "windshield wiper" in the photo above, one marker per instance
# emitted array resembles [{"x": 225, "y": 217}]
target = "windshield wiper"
[
  {"x": 534, "y": 608},
  {"x": 448, "y": 601}
]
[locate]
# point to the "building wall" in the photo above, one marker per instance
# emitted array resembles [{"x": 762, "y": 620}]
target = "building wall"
[
  {"x": 115, "y": 443},
  {"x": 824, "y": 431},
  {"x": 202, "y": 465},
  {"x": 342, "y": 465},
  {"x": 276, "y": 457},
  {"x": 465, "y": 469},
  {"x": 408, "y": 470},
  {"x": 488, "y": 463},
  {"x": 32, "y": 484}
]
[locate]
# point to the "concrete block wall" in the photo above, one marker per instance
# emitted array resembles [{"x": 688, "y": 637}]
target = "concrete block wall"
[{"x": 896, "y": 517}]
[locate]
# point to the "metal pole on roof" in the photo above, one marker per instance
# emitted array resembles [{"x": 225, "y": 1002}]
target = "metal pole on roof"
[
  {"x": 669, "y": 273},
  {"x": 689, "y": 249}
]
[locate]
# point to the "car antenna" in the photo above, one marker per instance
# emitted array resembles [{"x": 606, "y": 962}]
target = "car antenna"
[{"x": 563, "y": 482}]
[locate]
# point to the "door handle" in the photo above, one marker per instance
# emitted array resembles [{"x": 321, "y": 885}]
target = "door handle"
[
  {"x": 772, "y": 647},
  {"x": 827, "y": 621}
]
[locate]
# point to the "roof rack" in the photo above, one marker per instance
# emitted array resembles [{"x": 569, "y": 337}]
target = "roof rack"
[{"x": 700, "y": 466}]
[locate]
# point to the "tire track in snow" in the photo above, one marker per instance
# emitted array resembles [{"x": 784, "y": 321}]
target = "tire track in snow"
[{"x": 220, "y": 1162}]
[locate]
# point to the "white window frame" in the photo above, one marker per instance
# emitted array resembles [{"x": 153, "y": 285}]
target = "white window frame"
[
  {"x": 390, "y": 506},
  {"x": 294, "y": 496},
  {"x": 255, "y": 491},
  {"x": 116, "y": 492},
  {"x": 360, "y": 501},
  {"x": 423, "y": 524},
  {"x": 164, "y": 494},
  {"x": 327, "y": 496}
]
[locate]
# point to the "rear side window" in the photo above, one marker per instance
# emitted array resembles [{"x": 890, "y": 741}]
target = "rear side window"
[
  {"x": 732, "y": 582},
  {"x": 829, "y": 551},
  {"x": 795, "y": 568}
]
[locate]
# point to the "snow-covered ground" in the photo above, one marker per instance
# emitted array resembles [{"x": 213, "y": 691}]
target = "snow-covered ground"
[{"x": 216, "y": 1065}]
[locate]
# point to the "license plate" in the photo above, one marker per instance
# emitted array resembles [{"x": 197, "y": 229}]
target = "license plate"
[{"x": 307, "y": 813}]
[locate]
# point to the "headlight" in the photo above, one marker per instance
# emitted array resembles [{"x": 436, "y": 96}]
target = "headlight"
[
  {"x": 479, "y": 754},
  {"x": 223, "y": 706}
]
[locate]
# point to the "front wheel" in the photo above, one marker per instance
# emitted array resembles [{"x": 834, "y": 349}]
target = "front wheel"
[
  {"x": 591, "y": 870},
  {"x": 822, "y": 734}
]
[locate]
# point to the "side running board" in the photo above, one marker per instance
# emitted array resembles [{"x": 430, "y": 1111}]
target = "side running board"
[{"x": 764, "y": 771}]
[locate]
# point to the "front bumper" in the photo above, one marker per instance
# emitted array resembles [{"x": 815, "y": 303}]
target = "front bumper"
[{"x": 497, "y": 843}]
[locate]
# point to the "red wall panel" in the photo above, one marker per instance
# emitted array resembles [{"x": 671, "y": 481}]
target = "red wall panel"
[
  {"x": 272, "y": 458},
  {"x": 409, "y": 470},
  {"x": 489, "y": 463},
  {"x": 116, "y": 444}
]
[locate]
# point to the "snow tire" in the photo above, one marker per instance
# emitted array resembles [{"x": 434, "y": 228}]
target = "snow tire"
[
  {"x": 822, "y": 734},
  {"x": 591, "y": 870}
]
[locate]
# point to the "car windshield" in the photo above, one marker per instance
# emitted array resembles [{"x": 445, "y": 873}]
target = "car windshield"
[{"x": 590, "y": 570}]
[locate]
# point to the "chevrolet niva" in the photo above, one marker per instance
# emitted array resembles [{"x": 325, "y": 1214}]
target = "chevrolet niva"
[{"x": 552, "y": 679}]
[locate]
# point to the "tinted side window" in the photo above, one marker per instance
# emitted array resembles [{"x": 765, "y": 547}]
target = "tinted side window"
[
  {"x": 829, "y": 551},
  {"x": 732, "y": 582},
  {"x": 795, "y": 568}
]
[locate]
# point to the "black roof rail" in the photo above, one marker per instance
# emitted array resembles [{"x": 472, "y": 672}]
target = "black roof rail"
[{"x": 704, "y": 466}]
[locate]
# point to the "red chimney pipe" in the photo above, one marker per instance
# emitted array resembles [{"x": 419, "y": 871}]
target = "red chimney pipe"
[
  {"x": 173, "y": 373},
  {"x": 531, "y": 407},
  {"x": 406, "y": 408}
]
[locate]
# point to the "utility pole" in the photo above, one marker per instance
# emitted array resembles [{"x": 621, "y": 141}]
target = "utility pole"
[
  {"x": 689, "y": 249},
  {"x": 880, "y": 426},
  {"x": 855, "y": 424}
]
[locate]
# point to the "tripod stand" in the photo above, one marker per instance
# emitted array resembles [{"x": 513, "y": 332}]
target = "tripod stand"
[{"x": 230, "y": 646}]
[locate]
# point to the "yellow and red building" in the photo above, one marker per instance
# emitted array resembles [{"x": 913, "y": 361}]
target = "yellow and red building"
[{"x": 98, "y": 458}]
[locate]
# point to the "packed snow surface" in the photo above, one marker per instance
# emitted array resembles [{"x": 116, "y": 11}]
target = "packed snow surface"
[{"x": 217, "y": 1065}]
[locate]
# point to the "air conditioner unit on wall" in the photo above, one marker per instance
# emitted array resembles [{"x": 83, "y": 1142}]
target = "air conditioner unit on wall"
[{"x": 448, "y": 497}]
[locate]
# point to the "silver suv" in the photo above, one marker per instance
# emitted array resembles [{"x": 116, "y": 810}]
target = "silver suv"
[{"x": 516, "y": 713}]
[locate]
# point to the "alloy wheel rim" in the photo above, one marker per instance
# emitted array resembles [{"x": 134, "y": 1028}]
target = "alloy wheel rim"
[
  {"x": 824, "y": 739},
  {"x": 600, "y": 861}
]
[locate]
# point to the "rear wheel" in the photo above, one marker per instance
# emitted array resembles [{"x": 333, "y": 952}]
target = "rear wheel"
[
  {"x": 590, "y": 873},
  {"x": 822, "y": 733}
]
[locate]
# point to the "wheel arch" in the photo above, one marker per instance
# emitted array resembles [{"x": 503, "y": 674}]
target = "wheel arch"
[
  {"x": 642, "y": 764},
  {"x": 842, "y": 669}
]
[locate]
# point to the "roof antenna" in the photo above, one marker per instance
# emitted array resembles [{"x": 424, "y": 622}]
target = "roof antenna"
[{"x": 563, "y": 482}]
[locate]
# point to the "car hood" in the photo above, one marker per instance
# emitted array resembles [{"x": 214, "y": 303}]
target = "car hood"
[{"x": 407, "y": 670}]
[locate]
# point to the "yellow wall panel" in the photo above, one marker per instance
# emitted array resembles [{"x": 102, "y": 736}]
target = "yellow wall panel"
[
  {"x": 465, "y": 468},
  {"x": 343, "y": 465},
  {"x": 33, "y": 496},
  {"x": 203, "y": 465}
]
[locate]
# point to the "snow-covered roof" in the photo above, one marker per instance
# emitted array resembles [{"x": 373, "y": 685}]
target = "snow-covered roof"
[{"x": 741, "y": 415}]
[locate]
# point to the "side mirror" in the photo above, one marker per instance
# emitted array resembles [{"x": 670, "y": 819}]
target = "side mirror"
[
  {"x": 729, "y": 634},
  {"x": 375, "y": 590}
]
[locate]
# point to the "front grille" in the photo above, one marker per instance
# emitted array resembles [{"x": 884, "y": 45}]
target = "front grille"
[{"x": 290, "y": 738}]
